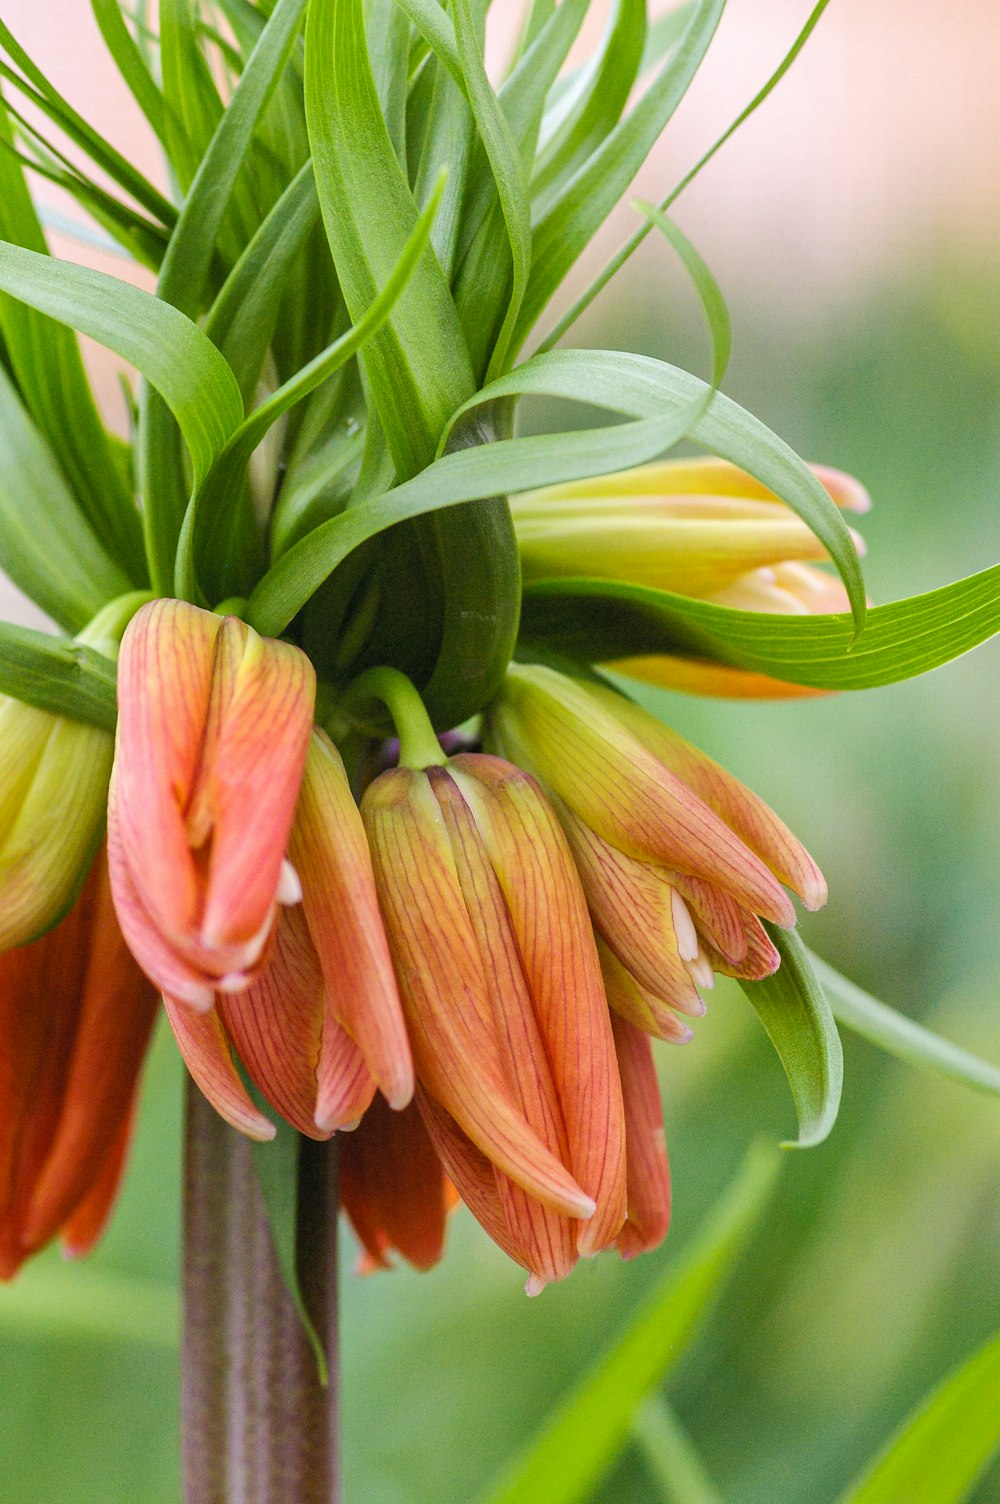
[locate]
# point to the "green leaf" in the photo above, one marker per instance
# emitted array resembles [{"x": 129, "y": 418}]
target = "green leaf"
[
  {"x": 417, "y": 366},
  {"x": 48, "y": 368},
  {"x": 709, "y": 292},
  {"x": 623, "y": 254},
  {"x": 165, "y": 346},
  {"x": 46, "y": 545},
  {"x": 34, "y": 85},
  {"x": 194, "y": 107},
  {"x": 58, "y": 675},
  {"x": 186, "y": 266},
  {"x": 276, "y": 1165},
  {"x": 791, "y": 1006},
  {"x": 587, "y": 1430},
  {"x": 506, "y": 466},
  {"x": 670, "y": 1454},
  {"x": 945, "y": 1445},
  {"x": 570, "y": 223},
  {"x": 131, "y": 64},
  {"x": 901, "y": 1036},
  {"x": 204, "y": 538},
  {"x": 589, "y": 111},
  {"x": 646, "y": 388},
  {"x": 601, "y": 620}
]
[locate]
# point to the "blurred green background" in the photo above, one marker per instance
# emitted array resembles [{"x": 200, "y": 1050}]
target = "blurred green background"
[{"x": 876, "y": 1268}]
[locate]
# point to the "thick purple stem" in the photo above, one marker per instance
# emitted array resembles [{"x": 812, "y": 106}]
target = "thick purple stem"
[{"x": 258, "y": 1428}]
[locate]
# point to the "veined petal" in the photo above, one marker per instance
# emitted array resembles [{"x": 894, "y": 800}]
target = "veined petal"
[
  {"x": 545, "y": 1235},
  {"x": 632, "y": 907},
  {"x": 257, "y": 738},
  {"x": 642, "y": 1008},
  {"x": 330, "y": 852},
  {"x": 392, "y": 1187},
  {"x": 443, "y": 989},
  {"x": 529, "y": 854},
  {"x": 117, "y": 1012},
  {"x": 588, "y": 754},
  {"x": 648, "y": 1171},
  {"x": 89, "y": 1218},
  {"x": 697, "y": 676},
  {"x": 202, "y": 1042},
  {"x": 761, "y": 960},
  {"x": 752, "y": 820},
  {"x": 276, "y": 1025},
  {"x": 345, "y": 1085}
]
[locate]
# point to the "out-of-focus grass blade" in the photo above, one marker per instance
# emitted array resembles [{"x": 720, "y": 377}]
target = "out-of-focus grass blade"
[
  {"x": 169, "y": 350},
  {"x": 570, "y": 223},
  {"x": 618, "y": 260},
  {"x": 131, "y": 64},
  {"x": 901, "y": 1036},
  {"x": 791, "y": 1006},
  {"x": 586, "y": 1432},
  {"x": 48, "y": 368},
  {"x": 86, "y": 1304},
  {"x": 46, "y": 545},
  {"x": 671, "y": 1456},
  {"x": 603, "y": 620},
  {"x": 55, "y": 674},
  {"x": 943, "y": 1448},
  {"x": 417, "y": 365}
]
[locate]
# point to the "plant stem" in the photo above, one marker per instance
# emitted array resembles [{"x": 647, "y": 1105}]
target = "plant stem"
[{"x": 258, "y": 1428}]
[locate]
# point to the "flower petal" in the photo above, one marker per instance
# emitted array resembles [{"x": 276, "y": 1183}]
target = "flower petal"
[
  {"x": 117, "y": 1013},
  {"x": 90, "y": 1217},
  {"x": 648, "y": 1171},
  {"x": 393, "y": 1188},
  {"x": 345, "y": 1085},
  {"x": 202, "y": 1041},
  {"x": 529, "y": 853},
  {"x": 697, "y": 676},
  {"x": 330, "y": 852},
  {"x": 443, "y": 988},
  {"x": 631, "y": 1001}
]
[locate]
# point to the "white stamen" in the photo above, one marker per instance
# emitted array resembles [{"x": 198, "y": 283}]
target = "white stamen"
[
  {"x": 687, "y": 935},
  {"x": 289, "y": 886},
  {"x": 700, "y": 970}
]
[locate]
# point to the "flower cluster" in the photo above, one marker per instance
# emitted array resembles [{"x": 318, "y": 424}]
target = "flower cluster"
[{"x": 460, "y": 971}]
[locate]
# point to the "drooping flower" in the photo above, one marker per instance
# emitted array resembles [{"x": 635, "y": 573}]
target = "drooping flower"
[
  {"x": 518, "y": 1082},
  {"x": 680, "y": 862},
  {"x": 701, "y": 528},
  {"x": 219, "y": 769},
  {"x": 76, "y": 1015}
]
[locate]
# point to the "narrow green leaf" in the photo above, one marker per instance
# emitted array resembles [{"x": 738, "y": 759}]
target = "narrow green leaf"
[
  {"x": 131, "y": 64},
  {"x": 943, "y": 1448},
  {"x": 167, "y": 348},
  {"x": 623, "y": 254},
  {"x": 276, "y": 1165},
  {"x": 46, "y": 545},
  {"x": 193, "y": 105},
  {"x": 189, "y": 255},
  {"x": 791, "y": 1006},
  {"x": 647, "y": 388},
  {"x": 48, "y": 99},
  {"x": 570, "y": 223},
  {"x": 590, "y": 110},
  {"x": 709, "y": 292},
  {"x": 671, "y": 1456},
  {"x": 48, "y": 368},
  {"x": 417, "y": 365},
  {"x": 602, "y": 620},
  {"x": 585, "y": 1433},
  {"x": 204, "y": 536},
  {"x": 58, "y": 675},
  {"x": 901, "y": 1036}
]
